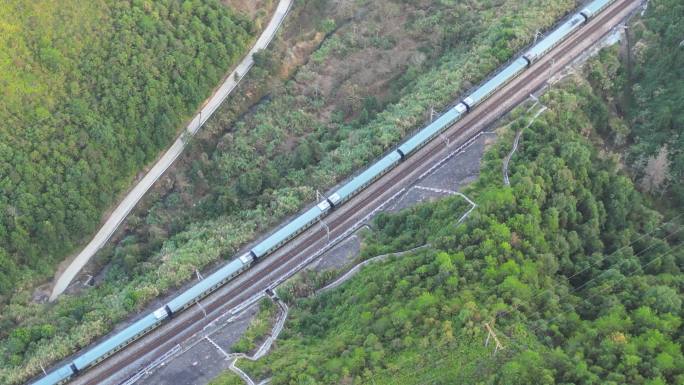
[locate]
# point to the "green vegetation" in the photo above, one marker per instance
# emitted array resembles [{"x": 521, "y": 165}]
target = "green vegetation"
[
  {"x": 227, "y": 378},
  {"x": 307, "y": 132},
  {"x": 91, "y": 92},
  {"x": 258, "y": 328},
  {"x": 648, "y": 88},
  {"x": 583, "y": 279}
]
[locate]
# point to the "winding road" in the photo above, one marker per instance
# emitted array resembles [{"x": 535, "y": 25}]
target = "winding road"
[{"x": 134, "y": 195}]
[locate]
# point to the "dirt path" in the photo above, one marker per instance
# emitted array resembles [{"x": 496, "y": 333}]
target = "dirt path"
[{"x": 132, "y": 198}]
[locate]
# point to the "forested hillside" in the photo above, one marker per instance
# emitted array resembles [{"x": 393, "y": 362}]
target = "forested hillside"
[
  {"x": 656, "y": 102},
  {"x": 91, "y": 92},
  {"x": 313, "y": 110},
  {"x": 583, "y": 280},
  {"x": 647, "y": 87}
]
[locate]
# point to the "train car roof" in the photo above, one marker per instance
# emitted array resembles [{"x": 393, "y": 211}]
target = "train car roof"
[
  {"x": 112, "y": 342},
  {"x": 286, "y": 231},
  {"x": 55, "y": 376},
  {"x": 596, "y": 6},
  {"x": 421, "y": 136},
  {"x": 495, "y": 82},
  {"x": 367, "y": 175},
  {"x": 200, "y": 287},
  {"x": 554, "y": 37}
]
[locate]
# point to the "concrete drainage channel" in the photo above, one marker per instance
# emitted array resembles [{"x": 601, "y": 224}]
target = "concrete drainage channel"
[
  {"x": 240, "y": 314},
  {"x": 265, "y": 347},
  {"x": 352, "y": 272}
]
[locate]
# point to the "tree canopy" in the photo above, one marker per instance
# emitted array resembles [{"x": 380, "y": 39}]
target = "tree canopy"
[
  {"x": 92, "y": 91},
  {"x": 583, "y": 279}
]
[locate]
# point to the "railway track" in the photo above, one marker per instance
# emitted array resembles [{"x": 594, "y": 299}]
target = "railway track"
[{"x": 193, "y": 320}]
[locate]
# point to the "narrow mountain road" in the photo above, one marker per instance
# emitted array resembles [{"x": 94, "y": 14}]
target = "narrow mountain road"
[{"x": 132, "y": 198}]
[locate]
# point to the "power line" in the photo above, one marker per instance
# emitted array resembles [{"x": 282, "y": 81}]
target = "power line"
[
  {"x": 613, "y": 283},
  {"x": 594, "y": 264},
  {"x": 671, "y": 221},
  {"x": 531, "y": 333}
]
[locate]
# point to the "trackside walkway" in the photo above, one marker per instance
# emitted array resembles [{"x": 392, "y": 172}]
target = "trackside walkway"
[{"x": 132, "y": 198}]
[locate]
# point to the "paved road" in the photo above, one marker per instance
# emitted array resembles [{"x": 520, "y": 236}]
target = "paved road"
[{"x": 170, "y": 156}]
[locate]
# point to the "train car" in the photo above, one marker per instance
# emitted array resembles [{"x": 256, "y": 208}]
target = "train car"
[
  {"x": 362, "y": 180},
  {"x": 433, "y": 129},
  {"x": 495, "y": 83},
  {"x": 209, "y": 284},
  {"x": 58, "y": 376},
  {"x": 595, "y": 7},
  {"x": 554, "y": 38},
  {"x": 118, "y": 341},
  {"x": 290, "y": 230}
]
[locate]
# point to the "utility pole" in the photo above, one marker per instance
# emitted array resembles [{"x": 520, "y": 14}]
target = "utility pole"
[
  {"x": 199, "y": 276},
  {"x": 445, "y": 139},
  {"x": 629, "y": 52},
  {"x": 537, "y": 33},
  {"x": 327, "y": 230},
  {"x": 201, "y": 307},
  {"x": 491, "y": 334}
]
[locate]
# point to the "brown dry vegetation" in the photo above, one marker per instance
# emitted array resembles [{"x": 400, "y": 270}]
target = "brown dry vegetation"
[{"x": 250, "y": 7}]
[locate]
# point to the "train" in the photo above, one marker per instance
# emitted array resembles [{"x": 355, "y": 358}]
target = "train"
[{"x": 121, "y": 339}]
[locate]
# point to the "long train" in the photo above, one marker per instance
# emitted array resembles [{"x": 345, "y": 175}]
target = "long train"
[{"x": 139, "y": 328}]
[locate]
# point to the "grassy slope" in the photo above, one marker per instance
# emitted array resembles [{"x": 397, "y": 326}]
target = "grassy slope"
[
  {"x": 259, "y": 327},
  {"x": 227, "y": 378}
]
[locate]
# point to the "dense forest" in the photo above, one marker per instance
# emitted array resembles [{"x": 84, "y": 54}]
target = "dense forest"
[
  {"x": 655, "y": 100},
  {"x": 579, "y": 278},
  {"x": 647, "y": 87},
  {"x": 92, "y": 91}
]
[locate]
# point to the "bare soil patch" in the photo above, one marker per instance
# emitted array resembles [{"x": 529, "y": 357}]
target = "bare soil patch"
[{"x": 249, "y": 7}]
